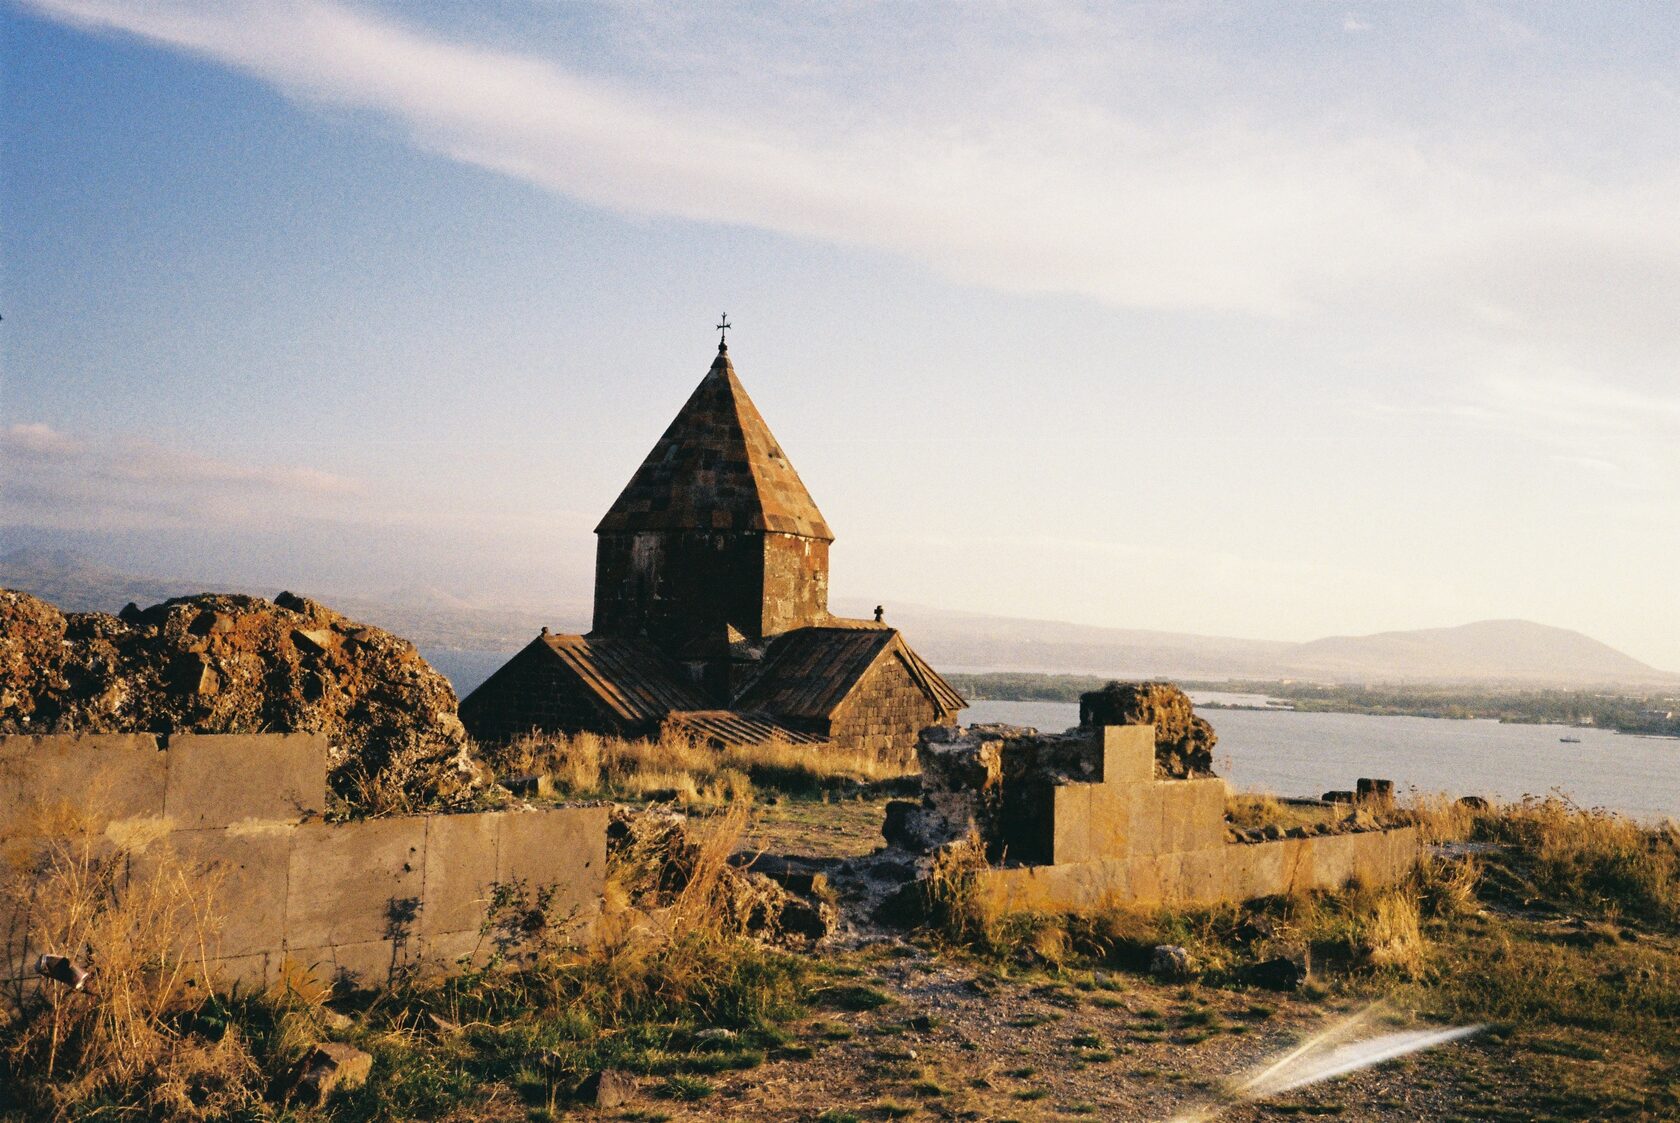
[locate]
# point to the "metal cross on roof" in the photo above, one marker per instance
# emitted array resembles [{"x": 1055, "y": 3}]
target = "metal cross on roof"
[{"x": 723, "y": 326}]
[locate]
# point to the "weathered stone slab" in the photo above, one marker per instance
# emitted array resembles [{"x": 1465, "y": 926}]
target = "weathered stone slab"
[
  {"x": 460, "y": 871},
  {"x": 245, "y": 873},
  {"x": 88, "y": 778},
  {"x": 216, "y": 779},
  {"x": 1070, "y": 839},
  {"x": 1254, "y": 870},
  {"x": 241, "y": 972},
  {"x": 1111, "y": 821},
  {"x": 1128, "y": 754},
  {"x": 1192, "y": 814},
  {"x": 350, "y": 883},
  {"x": 442, "y": 953},
  {"x": 1147, "y": 823},
  {"x": 1201, "y": 876},
  {"x": 565, "y": 847}
]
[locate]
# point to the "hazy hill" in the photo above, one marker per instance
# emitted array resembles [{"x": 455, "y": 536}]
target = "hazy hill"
[
  {"x": 467, "y": 640},
  {"x": 1492, "y": 652},
  {"x": 1518, "y": 650}
]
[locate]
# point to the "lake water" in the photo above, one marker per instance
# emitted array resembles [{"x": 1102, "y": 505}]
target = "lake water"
[{"x": 1292, "y": 754}]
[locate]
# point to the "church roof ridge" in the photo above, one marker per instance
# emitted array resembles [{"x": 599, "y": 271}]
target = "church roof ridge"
[{"x": 717, "y": 467}]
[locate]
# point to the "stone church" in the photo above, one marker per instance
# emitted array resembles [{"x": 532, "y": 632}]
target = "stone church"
[{"x": 711, "y": 611}]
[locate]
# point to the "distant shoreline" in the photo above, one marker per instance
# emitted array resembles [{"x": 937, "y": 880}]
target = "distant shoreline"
[{"x": 1633, "y": 714}]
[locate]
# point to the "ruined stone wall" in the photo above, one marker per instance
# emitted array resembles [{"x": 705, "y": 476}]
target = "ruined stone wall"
[
  {"x": 352, "y": 900},
  {"x": 883, "y": 715},
  {"x": 1081, "y": 820}
]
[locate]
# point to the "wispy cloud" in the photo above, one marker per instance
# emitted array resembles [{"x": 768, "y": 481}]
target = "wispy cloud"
[
  {"x": 1056, "y": 190},
  {"x": 55, "y": 479},
  {"x": 36, "y": 439}
]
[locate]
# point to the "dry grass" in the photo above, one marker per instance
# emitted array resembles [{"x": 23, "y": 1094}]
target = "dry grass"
[
  {"x": 1251, "y": 810},
  {"x": 144, "y": 926},
  {"x": 676, "y": 767},
  {"x": 1441, "y": 818},
  {"x": 1588, "y": 859}
]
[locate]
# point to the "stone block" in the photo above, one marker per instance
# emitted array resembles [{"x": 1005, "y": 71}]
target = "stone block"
[
  {"x": 1253, "y": 870},
  {"x": 91, "y": 778},
  {"x": 1201, "y": 875},
  {"x": 1150, "y": 877},
  {"x": 1128, "y": 753},
  {"x": 1071, "y": 818},
  {"x": 1334, "y": 859},
  {"x": 1297, "y": 869},
  {"x": 1110, "y": 822},
  {"x": 1193, "y": 814},
  {"x": 442, "y": 953},
  {"x": 562, "y": 846},
  {"x": 216, "y": 779},
  {"x": 244, "y": 872},
  {"x": 1147, "y": 822},
  {"x": 351, "y": 883},
  {"x": 1080, "y": 885},
  {"x": 460, "y": 871}
]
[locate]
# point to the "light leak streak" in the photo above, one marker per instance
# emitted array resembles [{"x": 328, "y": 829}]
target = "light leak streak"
[{"x": 1325, "y": 1056}]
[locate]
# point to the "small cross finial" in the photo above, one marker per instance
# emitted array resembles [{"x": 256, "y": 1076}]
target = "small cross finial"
[{"x": 723, "y": 326}]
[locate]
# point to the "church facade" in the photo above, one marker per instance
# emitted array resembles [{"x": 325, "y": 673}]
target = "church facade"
[{"x": 711, "y": 611}]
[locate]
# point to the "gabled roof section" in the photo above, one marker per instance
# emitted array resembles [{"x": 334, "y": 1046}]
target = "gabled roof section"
[
  {"x": 718, "y": 467},
  {"x": 629, "y": 676},
  {"x": 809, "y": 672}
]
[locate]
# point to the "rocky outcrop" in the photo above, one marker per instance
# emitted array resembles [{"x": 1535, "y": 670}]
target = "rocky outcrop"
[
  {"x": 1183, "y": 742},
  {"x": 217, "y": 663}
]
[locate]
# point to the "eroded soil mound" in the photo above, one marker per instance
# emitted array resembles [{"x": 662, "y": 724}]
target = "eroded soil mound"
[
  {"x": 217, "y": 663},
  {"x": 1183, "y": 742}
]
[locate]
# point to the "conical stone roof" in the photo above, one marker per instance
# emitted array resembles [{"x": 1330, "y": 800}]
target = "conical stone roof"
[{"x": 717, "y": 468}]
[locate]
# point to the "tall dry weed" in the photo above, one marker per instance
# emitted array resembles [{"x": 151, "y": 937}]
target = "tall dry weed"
[{"x": 144, "y": 925}]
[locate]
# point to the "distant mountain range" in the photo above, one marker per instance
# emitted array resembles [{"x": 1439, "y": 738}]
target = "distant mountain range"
[
  {"x": 1486, "y": 653},
  {"x": 466, "y": 641}
]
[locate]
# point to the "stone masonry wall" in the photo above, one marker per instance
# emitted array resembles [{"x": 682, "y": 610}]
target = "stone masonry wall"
[
  {"x": 883, "y": 714},
  {"x": 350, "y": 900},
  {"x": 1091, "y": 825}
]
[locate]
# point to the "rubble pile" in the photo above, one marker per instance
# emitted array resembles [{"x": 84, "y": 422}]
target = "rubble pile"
[
  {"x": 217, "y": 663},
  {"x": 1183, "y": 742},
  {"x": 655, "y": 860}
]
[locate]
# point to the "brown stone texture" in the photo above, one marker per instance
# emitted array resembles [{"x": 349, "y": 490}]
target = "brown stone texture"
[
  {"x": 236, "y": 664},
  {"x": 350, "y": 883},
  {"x": 568, "y": 851},
  {"x": 245, "y": 874},
  {"x": 453, "y": 892},
  {"x": 94, "y": 779},
  {"x": 212, "y": 782},
  {"x": 1183, "y": 741},
  {"x": 881, "y": 714}
]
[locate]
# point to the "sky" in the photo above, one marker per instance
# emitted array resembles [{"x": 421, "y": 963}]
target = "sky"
[{"x": 1264, "y": 320}]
